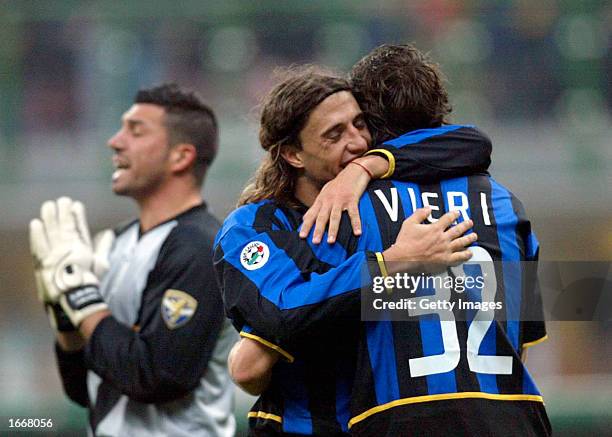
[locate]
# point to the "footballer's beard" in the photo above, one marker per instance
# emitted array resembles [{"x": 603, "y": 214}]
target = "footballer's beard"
[
  {"x": 126, "y": 183},
  {"x": 320, "y": 178},
  {"x": 308, "y": 185}
]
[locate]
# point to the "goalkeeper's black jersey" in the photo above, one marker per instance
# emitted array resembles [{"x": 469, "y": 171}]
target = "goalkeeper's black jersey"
[{"x": 157, "y": 366}]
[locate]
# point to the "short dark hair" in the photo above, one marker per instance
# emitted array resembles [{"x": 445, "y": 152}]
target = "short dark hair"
[
  {"x": 400, "y": 89},
  {"x": 285, "y": 111},
  {"x": 188, "y": 120}
]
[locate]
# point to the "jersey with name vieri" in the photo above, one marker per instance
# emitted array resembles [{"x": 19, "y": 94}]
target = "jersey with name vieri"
[
  {"x": 447, "y": 374},
  {"x": 446, "y": 152},
  {"x": 300, "y": 294},
  {"x": 384, "y": 379},
  {"x": 158, "y": 365}
]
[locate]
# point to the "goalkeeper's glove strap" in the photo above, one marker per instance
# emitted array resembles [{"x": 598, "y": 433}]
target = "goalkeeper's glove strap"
[
  {"x": 80, "y": 298},
  {"x": 80, "y": 303}
]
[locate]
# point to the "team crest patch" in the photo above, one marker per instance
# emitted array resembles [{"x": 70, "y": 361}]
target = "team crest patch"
[
  {"x": 254, "y": 255},
  {"x": 177, "y": 308}
]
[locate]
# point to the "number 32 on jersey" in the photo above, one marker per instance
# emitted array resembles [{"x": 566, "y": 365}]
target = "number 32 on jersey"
[{"x": 449, "y": 359}]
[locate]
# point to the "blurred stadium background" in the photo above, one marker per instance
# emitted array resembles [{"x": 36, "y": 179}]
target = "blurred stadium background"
[{"x": 535, "y": 75}]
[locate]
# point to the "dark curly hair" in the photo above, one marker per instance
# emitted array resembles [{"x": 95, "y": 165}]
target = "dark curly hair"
[
  {"x": 400, "y": 89},
  {"x": 188, "y": 120},
  {"x": 285, "y": 111}
]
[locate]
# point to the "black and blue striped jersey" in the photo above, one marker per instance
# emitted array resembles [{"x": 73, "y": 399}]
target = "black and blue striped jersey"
[
  {"x": 265, "y": 268},
  {"x": 453, "y": 150},
  {"x": 436, "y": 375},
  {"x": 302, "y": 299},
  {"x": 430, "y": 155}
]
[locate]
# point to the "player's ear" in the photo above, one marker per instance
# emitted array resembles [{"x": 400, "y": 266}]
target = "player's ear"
[
  {"x": 293, "y": 156},
  {"x": 182, "y": 156}
]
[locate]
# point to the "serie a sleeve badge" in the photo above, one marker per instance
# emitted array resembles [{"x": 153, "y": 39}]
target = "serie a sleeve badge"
[
  {"x": 254, "y": 255},
  {"x": 177, "y": 308}
]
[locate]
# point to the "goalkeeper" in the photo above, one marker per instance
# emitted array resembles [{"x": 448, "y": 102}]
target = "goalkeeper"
[{"x": 141, "y": 337}]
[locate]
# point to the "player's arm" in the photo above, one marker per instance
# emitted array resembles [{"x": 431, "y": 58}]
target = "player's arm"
[
  {"x": 73, "y": 373},
  {"x": 278, "y": 297},
  {"x": 66, "y": 263},
  {"x": 421, "y": 156},
  {"x": 180, "y": 319},
  {"x": 250, "y": 365},
  {"x": 69, "y": 356},
  {"x": 294, "y": 294},
  {"x": 429, "y": 155}
]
